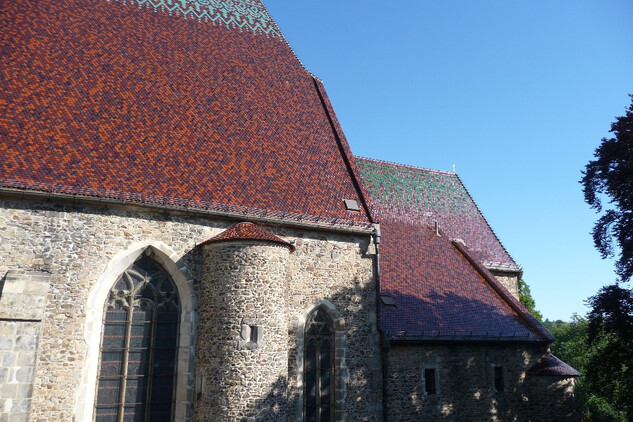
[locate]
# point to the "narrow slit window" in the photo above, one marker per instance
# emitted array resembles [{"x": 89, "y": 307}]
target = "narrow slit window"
[
  {"x": 498, "y": 377},
  {"x": 430, "y": 381}
]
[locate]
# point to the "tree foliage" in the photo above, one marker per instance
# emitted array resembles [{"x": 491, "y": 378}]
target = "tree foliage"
[
  {"x": 611, "y": 175},
  {"x": 526, "y": 299},
  {"x": 571, "y": 341},
  {"x": 610, "y": 339},
  {"x": 572, "y": 345}
]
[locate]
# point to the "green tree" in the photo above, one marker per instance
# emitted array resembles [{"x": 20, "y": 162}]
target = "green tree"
[
  {"x": 571, "y": 341},
  {"x": 573, "y": 347},
  {"x": 609, "y": 372},
  {"x": 611, "y": 175},
  {"x": 526, "y": 299}
]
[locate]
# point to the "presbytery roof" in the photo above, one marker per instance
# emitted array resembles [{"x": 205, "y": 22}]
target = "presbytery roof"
[
  {"x": 439, "y": 292},
  {"x": 188, "y": 104},
  {"x": 432, "y": 286},
  {"x": 423, "y": 196}
]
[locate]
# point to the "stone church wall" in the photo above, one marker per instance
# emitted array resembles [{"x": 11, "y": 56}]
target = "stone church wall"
[
  {"x": 466, "y": 385},
  {"x": 22, "y": 299},
  {"x": 75, "y": 246},
  {"x": 509, "y": 280}
]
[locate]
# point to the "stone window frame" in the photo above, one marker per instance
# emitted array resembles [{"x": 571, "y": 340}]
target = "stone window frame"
[
  {"x": 494, "y": 367},
  {"x": 340, "y": 368},
  {"x": 85, "y": 394},
  {"x": 436, "y": 375},
  {"x": 251, "y": 334}
]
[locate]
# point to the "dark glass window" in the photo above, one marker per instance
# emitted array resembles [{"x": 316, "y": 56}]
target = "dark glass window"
[
  {"x": 499, "y": 381},
  {"x": 319, "y": 368},
  {"x": 138, "y": 347},
  {"x": 430, "y": 383}
]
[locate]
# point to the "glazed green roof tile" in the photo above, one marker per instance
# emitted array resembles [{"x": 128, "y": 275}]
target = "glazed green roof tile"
[
  {"x": 413, "y": 189},
  {"x": 421, "y": 196},
  {"x": 244, "y": 15}
]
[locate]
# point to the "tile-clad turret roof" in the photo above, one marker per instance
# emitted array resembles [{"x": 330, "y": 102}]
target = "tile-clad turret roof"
[
  {"x": 550, "y": 365},
  {"x": 423, "y": 196},
  {"x": 247, "y": 231},
  {"x": 190, "y": 104}
]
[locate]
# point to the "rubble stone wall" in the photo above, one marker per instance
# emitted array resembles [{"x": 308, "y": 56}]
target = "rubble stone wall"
[
  {"x": 466, "y": 385},
  {"x": 76, "y": 244}
]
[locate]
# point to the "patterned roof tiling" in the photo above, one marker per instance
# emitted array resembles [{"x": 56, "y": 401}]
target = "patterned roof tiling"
[
  {"x": 242, "y": 14},
  {"x": 423, "y": 196},
  {"x": 110, "y": 100},
  {"x": 247, "y": 231},
  {"x": 439, "y": 294},
  {"x": 550, "y": 365}
]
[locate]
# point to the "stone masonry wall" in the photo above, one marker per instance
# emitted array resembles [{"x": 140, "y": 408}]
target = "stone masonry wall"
[
  {"x": 18, "y": 346},
  {"x": 22, "y": 300},
  {"x": 75, "y": 243},
  {"x": 509, "y": 279},
  {"x": 242, "y": 346},
  {"x": 339, "y": 269},
  {"x": 466, "y": 384}
]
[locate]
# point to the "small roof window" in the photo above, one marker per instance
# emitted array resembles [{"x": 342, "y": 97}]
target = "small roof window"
[
  {"x": 351, "y": 204},
  {"x": 388, "y": 301}
]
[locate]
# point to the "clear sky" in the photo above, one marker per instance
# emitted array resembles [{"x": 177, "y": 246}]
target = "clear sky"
[{"x": 517, "y": 95}]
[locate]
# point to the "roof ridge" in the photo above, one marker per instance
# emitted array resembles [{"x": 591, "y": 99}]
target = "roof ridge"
[
  {"x": 344, "y": 149},
  {"x": 459, "y": 179},
  {"x": 408, "y": 166},
  {"x": 285, "y": 40}
]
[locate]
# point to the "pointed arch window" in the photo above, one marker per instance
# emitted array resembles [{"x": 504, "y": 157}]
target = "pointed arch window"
[
  {"x": 138, "y": 347},
  {"x": 319, "y": 367}
]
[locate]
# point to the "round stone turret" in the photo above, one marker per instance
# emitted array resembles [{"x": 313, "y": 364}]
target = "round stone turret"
[{"x": 242, "y": 366}]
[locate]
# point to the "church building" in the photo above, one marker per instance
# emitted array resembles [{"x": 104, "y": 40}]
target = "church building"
[{"x": 185, "y": 235}]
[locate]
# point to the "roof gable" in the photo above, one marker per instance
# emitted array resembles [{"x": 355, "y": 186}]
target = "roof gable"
[{"x": 189, "y": 104}]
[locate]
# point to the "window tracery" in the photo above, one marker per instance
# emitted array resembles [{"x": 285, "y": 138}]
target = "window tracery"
[{"x": 138, "y": 346}]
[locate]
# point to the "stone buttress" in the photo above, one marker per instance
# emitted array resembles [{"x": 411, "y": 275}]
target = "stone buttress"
[{"x": 242, "y": 351}]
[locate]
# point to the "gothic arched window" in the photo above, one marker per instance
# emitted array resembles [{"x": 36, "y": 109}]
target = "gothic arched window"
[
  {"x": 319, "y": 368},
  {"x": 138, "y": 347}
]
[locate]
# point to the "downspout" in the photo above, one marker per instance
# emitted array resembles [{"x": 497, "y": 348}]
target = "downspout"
[{"x": 381, "y": 341}]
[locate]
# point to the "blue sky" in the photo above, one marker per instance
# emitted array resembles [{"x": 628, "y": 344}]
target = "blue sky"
[{"x": 517, "y": 95}]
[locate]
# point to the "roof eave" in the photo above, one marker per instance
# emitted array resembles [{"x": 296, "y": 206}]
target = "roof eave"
[
  {"x": 310, "y": 222},
  {"x": 523, "y": 313}
]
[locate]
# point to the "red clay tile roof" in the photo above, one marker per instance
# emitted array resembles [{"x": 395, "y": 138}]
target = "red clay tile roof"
[
  {"x": 550, "y": 365},
  {"x": 185, "y": 104},
  {"x": 247, "y": 231},
  {"x": 440, "y": 295},
  {"x": 423, "y": 196}
]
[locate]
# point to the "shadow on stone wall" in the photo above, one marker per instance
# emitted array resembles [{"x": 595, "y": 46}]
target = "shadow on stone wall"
[
  {"x": 466, "y": 378},
  {"x": 363, "y": 384},
  {"x": 2, "y": 280},
  {"x": 464, "y": 337}
]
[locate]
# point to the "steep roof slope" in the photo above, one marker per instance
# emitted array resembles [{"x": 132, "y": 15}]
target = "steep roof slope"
[
  {"x": 439, "y": 294},
  {"x": 423, "y": 196},
  {"x": 182, "y": 103}
]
